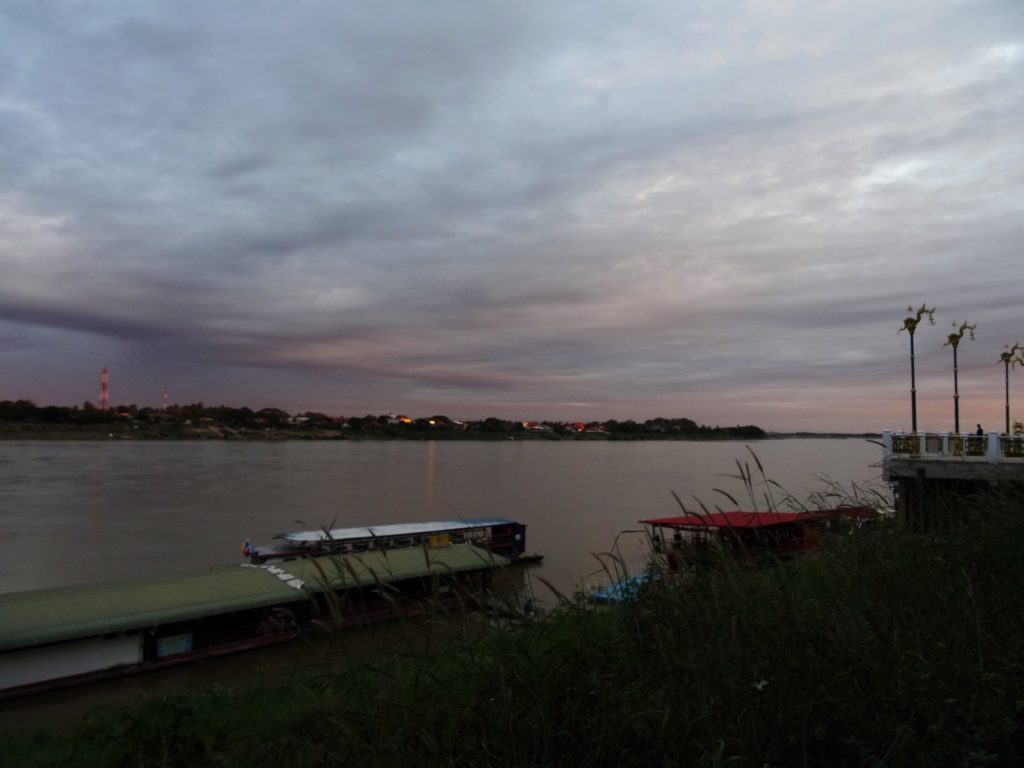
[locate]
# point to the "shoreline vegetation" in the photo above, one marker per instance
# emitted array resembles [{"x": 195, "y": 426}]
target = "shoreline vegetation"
[
  {"x": 886, "y": 647},
  {"x": 23, "y": 420}
]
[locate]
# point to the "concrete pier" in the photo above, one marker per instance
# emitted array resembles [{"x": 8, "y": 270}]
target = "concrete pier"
[{"x": 931, "y": 471}]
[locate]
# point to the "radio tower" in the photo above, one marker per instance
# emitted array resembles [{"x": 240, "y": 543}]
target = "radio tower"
[
  {"x": 165, "y": 398},
  {"x": 104, "y": 389}
]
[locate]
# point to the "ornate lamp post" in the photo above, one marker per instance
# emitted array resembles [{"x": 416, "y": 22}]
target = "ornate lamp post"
[
  {"x": 1007, "y": 358},
  {"x": 953, "y": 340},
  {"x": 910, "y": 325}
]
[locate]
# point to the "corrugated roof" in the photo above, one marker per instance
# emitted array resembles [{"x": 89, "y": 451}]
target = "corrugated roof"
[
  {"x": 51, "y": 615},
  {"x": 396, "y": 529},
  {"x": 758, "y": 519},
  {"x": 734, "y": 519}
]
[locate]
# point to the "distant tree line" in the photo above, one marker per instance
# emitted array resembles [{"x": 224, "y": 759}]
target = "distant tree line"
[{"x": 275, "y": 419}]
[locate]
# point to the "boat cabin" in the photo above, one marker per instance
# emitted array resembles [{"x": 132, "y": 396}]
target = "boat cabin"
[{"x": 698, "y": 539}]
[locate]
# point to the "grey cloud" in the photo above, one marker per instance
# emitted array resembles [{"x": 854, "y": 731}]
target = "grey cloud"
[{"x": 476, "y": 203}]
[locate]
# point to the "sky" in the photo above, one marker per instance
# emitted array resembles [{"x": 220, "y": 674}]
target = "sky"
[{"x": 575, "y": 210}]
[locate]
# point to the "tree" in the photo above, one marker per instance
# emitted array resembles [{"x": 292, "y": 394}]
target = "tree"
[
  {"x": 273, "y": 417},
  {"x": 316, "y": 419},
  {"x": 492, "y": 424},
  {"x": 18, "y": 410}
]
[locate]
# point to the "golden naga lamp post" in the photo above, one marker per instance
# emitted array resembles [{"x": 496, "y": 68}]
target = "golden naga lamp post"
[
  {"x": 1007, "y": 358},
  {"x": 910, "y": 325},
  {"x": 953, "y": 340}
]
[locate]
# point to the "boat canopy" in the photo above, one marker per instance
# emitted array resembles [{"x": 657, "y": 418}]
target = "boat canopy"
[
  {"x": 387, "y": 531},
  {"x": 757, "y": 519},
  {"x": 733, "y": 519}
]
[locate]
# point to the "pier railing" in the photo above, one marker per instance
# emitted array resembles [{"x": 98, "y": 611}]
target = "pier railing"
[{"x": 993, "y": 448}]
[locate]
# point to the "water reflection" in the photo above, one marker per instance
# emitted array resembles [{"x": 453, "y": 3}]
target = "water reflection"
[{"x": 431, "y": 470}]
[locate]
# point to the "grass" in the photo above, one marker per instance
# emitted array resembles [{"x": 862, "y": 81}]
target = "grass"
[{"x": 889, "y": 648}]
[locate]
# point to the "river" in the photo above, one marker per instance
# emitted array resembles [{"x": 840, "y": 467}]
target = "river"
[{"x": 78, "y": 512}]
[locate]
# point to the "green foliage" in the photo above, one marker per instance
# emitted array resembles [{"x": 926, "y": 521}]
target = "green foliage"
[{"x": 17, "y": 410}]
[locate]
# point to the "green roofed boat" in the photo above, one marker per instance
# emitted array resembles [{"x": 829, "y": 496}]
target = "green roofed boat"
[{"x": 58, "y": 637}]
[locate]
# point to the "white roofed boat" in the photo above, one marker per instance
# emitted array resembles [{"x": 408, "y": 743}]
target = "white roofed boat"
[
  {"x": 496, "y": 534},
  {"x": 395, "y": 529}
]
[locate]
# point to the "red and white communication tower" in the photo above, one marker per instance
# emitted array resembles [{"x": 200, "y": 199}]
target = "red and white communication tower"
[
  {"x": 104, "y": 390},
  {"x": 165, "y": 398}
]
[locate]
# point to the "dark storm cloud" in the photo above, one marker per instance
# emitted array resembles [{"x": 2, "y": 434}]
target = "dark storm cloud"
[{"x": 667, "y": 208}]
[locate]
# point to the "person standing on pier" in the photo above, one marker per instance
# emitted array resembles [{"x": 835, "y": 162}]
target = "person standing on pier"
[{"x": 980, "y": 432}]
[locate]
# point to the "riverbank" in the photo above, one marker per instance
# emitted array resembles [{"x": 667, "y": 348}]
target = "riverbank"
[
  {"x": 141, "y": 431},
  {"x": 890, "y": 648},
  {"x": 23, "y": 417},
  {"x": 116, "y": 431}
]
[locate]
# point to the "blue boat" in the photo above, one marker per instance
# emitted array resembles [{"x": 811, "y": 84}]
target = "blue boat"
[{"x": 624, "y": 590}]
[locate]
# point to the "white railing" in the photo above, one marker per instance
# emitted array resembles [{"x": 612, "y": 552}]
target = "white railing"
[{"x": 992, "y": 447}]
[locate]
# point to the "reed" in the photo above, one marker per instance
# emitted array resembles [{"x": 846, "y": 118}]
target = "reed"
[{"x": 887, "y": 648}]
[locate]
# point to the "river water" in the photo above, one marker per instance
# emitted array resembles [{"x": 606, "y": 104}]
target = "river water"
[{"x": 78, "y": 512}]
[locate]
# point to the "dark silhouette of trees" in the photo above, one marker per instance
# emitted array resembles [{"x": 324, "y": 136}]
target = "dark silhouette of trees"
[
  {"x": 438, "y": 425},
  {"x": 17, "y": 410}
]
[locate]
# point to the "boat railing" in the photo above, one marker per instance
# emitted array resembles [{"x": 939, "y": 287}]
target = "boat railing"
[{"x": 993, "y": 447}]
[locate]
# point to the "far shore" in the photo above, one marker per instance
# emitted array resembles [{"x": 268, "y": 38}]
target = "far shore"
[{"x": 150, "y": 432}]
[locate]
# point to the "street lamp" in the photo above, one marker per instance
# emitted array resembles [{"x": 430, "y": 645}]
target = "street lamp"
[
  {"x": 910, "y": 325},
  {"x": 953, "y": 340},
  {"x": 1007, "y": 357}
]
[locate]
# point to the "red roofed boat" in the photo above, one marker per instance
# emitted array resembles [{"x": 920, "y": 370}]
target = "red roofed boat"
[{"x": 695, "y": 539}]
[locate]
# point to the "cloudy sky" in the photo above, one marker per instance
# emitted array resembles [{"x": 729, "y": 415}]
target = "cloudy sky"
[{"x": 565, "y": 210}]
